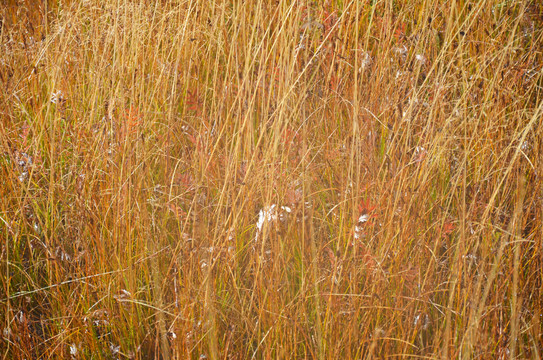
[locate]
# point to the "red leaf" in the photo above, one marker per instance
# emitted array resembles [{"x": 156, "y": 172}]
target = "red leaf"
[
  {"x": 448, "y": 228},
  {"x": 366, "y": 207},
  {"x": 399, "y": 34}
]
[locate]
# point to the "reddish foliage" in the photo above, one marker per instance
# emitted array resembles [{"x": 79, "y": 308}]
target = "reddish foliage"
[
  {"x": 448, "y": 228},
  {"x": 177, "y": 211},
  {"x": 25, "y": 131},
  {"x": 366, "y": 207},
  {"x": 186, "y": 181},
  {"x": 367, "y": 258},
  {"x": 399, "y": 34},
  {"x": 290, "y": 135},
  {"x": 132, "y": 118},
  {"x": 193, "y": 101}
]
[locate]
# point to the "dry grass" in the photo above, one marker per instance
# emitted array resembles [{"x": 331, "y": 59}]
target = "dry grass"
[{"x": 271, "y": 179}]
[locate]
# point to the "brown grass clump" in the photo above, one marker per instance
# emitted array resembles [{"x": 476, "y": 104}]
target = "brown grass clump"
[{"x": 271, "y": 179}]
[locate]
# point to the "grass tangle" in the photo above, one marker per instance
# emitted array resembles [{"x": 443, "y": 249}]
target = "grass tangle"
[{"x": 286, "y": 179}]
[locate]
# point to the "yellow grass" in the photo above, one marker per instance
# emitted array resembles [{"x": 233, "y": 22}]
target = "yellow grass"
[{"x": 271, "y": 179}]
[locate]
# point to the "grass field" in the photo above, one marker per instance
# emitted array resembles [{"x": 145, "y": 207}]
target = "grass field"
[{"x": 271, "y": 179}]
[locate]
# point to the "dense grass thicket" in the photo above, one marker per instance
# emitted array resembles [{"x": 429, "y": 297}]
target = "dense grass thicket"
[{"x": 285, "y": 179}]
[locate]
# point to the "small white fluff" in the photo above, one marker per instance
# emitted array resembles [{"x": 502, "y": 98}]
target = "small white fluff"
[{"x": 270, "y": 214}]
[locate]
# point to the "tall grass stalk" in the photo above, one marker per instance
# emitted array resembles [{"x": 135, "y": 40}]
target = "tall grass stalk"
[{"x": 271, "y": 179}]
